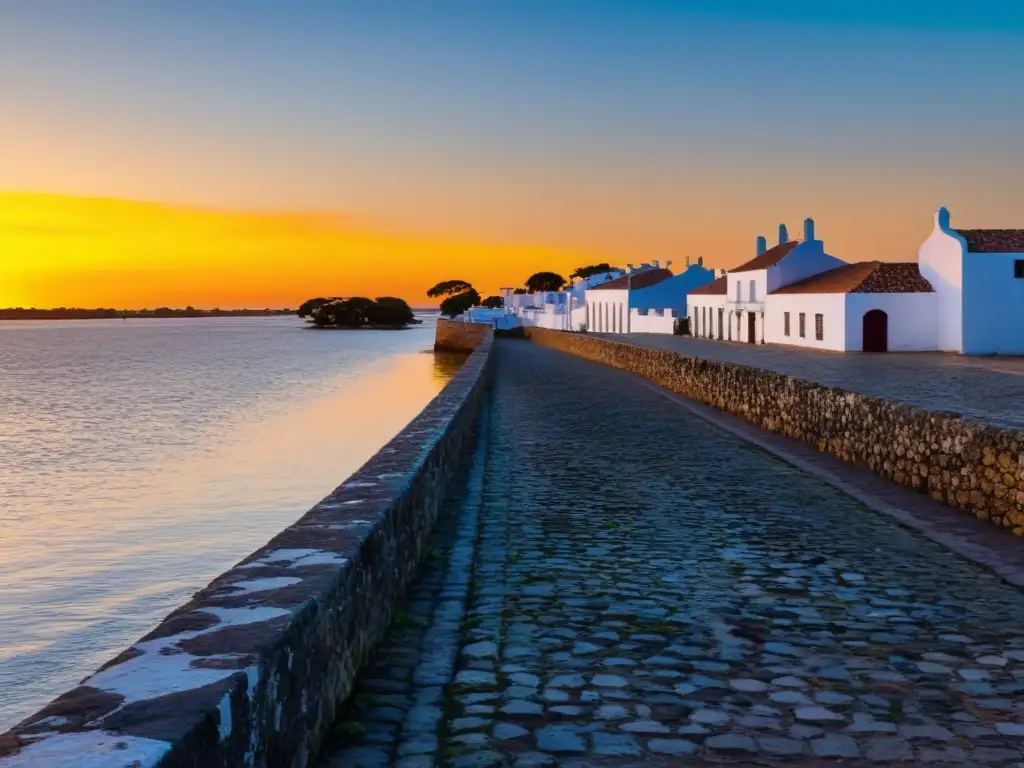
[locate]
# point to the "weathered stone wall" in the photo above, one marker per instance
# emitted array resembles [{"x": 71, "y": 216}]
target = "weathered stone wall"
[
  {"x": 252, "y": 670},
  {"x": 453, "y": 336},
  {"x": 977, "y": 468}
]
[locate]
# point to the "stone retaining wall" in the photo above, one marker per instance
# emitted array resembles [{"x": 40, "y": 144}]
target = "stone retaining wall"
[
  {"x": 252, "y": 670},
  {"x": 974, "y": 467},
  {"x": 454, "y": 336}
]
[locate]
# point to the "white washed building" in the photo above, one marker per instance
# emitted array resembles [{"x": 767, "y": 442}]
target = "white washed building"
[
  {"x": 978, "y": 277},
  {"x": 964, "y": 294},
  {"x": 738, "y": 313}
]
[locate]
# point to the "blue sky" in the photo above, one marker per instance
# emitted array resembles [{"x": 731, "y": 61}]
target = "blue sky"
[{"x": 567, "y": 123}]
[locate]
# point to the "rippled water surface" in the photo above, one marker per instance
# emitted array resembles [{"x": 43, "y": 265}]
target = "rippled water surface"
[{"x": 138, "y": 460}]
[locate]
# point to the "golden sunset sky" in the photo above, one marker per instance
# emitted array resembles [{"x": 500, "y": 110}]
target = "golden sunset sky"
[{"x": 251, "y": 155}]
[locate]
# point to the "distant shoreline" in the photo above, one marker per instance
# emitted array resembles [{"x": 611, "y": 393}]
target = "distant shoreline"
[{"x": 155, "y": 314}]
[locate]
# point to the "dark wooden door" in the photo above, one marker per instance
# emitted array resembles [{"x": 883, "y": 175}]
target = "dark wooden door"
[
  {"x": 751, "y": 327},
  {"x": 876, "y": 331}
]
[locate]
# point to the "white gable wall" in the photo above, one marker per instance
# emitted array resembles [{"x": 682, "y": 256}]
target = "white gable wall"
[
  {"x": 993, "y": 305},
  {"x": 941, "y": 261},
  {"x": 831, "y": 305},
  {"x": 911, "y": 325}
]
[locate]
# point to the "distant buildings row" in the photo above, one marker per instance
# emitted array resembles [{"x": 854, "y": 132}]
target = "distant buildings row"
[{"x": 964, "y": 294}]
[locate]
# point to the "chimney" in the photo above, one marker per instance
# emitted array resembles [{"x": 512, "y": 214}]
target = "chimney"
[
  {"x": 783, "y": 234},
  {"x": 722, "y": 271},
  {"x": 657, "y": 264},
  {"x": 687, "y": 261},
  {"x": 700, "y": 261},
  {"x": 808, "y": 230},
  {"x": 762, "y": 244}
]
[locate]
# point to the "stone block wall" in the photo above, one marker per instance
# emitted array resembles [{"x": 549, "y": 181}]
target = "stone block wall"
[
  {"x": 976, "y": 468},
  {"x": 454, "y": 336},
  {"x": 253, "y": 669}
]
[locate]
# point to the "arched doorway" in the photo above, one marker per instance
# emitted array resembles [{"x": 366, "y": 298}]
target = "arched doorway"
[{"x": 876, "y": 331}]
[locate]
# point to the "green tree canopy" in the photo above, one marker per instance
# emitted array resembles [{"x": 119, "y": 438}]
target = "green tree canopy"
[
  {"x": 544, "y": 281},
  {"x": 460, "y": 302},
  {"x": 582, "y": 273},
  {"x": 449, "y": 288},
  {"x": 494, "y": 302}
]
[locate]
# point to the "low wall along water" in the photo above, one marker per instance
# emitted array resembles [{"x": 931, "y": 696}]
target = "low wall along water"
[
  {"x": 455, "y": 336},
  {"x": 253, "y": 669},
  {"x": 976, "y": 468}
]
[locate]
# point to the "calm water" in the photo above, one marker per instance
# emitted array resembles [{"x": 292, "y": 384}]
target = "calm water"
[{"x": 139, "y": 460}]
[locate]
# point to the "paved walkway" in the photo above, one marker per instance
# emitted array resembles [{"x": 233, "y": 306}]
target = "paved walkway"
[
  {"x": 642, "y": 589},
  {"x": 989, "y": 390}
]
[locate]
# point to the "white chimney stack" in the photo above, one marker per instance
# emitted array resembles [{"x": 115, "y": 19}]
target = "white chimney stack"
[
  {"x": 808, "y": 230},
  {"x": 762, "y": 244},
  {"x": 783, "y": 234}
]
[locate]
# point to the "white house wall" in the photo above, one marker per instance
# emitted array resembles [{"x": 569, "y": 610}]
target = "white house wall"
[
  {"x": 941, "y": 261},
  {"x": 911, "y": 320},
  {"x": 831, "y": 305},
  {"x": 701, "y": 327},
  {"x": 993, "y": 305},
  {"x": 655, "y": 321},
  {"x": 607, "y": 311}
]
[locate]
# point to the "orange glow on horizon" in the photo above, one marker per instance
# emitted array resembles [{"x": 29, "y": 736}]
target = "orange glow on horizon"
[{"x": 58, "y": 250}]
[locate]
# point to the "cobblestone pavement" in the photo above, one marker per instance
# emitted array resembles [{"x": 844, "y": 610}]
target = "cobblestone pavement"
[
  {"x": 988, "y": 390},
  {"x": 647, "y": 590}
]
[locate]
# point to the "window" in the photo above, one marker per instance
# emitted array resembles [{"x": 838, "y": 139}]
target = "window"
[
  {"x": 785, "y": 323},
  {"x": 739, "y": 291},
  {"x": 720, "y": 311},
  {"x": 753, "y": 290},
  {"x": 1018, "y": 269},
  {"x": 704, "y": 320},
  {"x": 803, "y": 326},
  {"x": 819, "y": 327}
]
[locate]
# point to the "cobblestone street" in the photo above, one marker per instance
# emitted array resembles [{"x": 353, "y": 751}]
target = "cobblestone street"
[
  {"x": 989, "y": 390},
  {"x": 618, "y": 582}
]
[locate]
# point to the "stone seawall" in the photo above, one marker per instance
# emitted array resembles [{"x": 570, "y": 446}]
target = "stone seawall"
[
  {"x": 453, "y": 336},
  {"x": 976, "y": 468},
  {"x": 252, "y": 670}
]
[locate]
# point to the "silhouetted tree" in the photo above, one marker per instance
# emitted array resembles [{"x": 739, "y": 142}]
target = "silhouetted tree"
[
  {"x": 582, "y": 273},
  {"x": 449, "y": 288},
  {"x": 308, "y": 307},
  {"x": 494, "y": 302},
  {"x": 544, "y": 281},
  {"x": 460, "y": 302},
  {"x": 359, "y": 312},
  {"x": 391, "y": 311}
]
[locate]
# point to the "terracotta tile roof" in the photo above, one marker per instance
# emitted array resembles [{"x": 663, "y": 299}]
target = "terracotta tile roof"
[
  {"x": 864, "y": 277},
  {"x": 717, "y": 287},
  {"x": 993, "y": 240},
  {"x": 769, "y": 258},
  {"x": 644, "y": 279}
]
